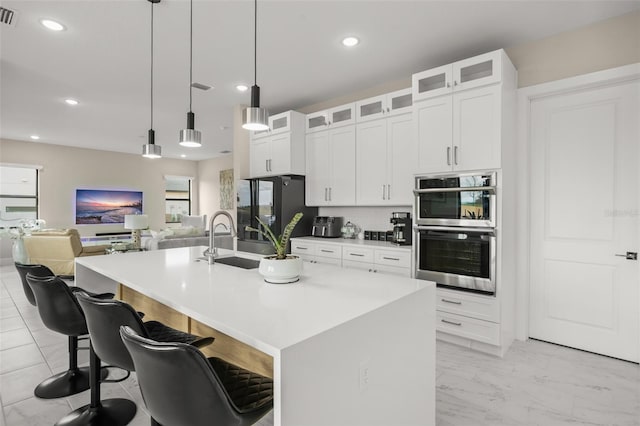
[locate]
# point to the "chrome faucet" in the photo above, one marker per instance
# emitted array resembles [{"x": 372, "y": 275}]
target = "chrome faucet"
[{"x": 212, "y": 252}]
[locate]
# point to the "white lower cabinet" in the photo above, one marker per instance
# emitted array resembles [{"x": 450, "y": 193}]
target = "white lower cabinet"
[
  {"x": 470, "y": 328},
  {"x": 317, "y": 253},
  {"x": 467, "y": 315},
  {"x": 377, "y": 260},
  {"x": 354, "y": 255}
]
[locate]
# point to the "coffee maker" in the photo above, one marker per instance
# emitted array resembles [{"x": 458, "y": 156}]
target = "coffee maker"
[{"x": 401, "y": 228}]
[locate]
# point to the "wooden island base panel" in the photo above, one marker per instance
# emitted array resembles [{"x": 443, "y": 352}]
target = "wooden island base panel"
[{"x": 224, "y": 346}]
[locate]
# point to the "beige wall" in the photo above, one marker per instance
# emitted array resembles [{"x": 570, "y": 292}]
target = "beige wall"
[
  {"x": 67, "y": 168},
  {"x": 209, "y": 184},
  {"x": 607, "y": 44}
]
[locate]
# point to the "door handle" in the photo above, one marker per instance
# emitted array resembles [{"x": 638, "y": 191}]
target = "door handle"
[
  {"x": 448, "y": 156},
  {"x": 631, "y": 255}
]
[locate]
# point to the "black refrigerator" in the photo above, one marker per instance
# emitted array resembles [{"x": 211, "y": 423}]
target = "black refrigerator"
[{"x": 274, "y": 200}]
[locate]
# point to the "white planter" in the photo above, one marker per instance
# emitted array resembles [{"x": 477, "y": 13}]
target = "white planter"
[{"x": 281, "y": 271}]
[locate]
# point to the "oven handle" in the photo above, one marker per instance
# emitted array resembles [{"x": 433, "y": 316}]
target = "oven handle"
[
  {"x": 489, "y": 231},
  {"x": 489, "y": 189}
]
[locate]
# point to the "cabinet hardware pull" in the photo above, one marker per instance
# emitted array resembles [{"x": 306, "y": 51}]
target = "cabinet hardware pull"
[
  {"x": 326, "y": 251},
  {"x": 375, "y": 271},
  {"x": 302, "y": 248},
  {"x": 448, "y": 156},
  {"x": 329, "y": 193},
  {"x": 448, "y": 84},
  {"x": 325, "y": 195},
  {"x": 388, "y": 191},
  {"x": 451, "y": 301},
  {"x": 266, "y": 165},
  {"x": 630, "y": 255},
  {"x": 451, "y": 322},
  {"x": 370, "y": 270},
  {"x": 391, "y": 258},
  {"x": 356, "y": 254},
  {"x": 455, "y": 155},
  {"x": 383, "y": 196},
  {"x": 455, "y": 82},
  {"x": 388, "y": 109}
]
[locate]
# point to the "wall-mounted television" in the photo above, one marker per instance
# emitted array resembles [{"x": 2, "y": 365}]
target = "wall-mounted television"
[{"x": 100, "y": 206}]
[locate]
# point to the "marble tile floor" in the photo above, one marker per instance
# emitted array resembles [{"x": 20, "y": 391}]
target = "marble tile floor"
[{"x": 536, "y": 383}]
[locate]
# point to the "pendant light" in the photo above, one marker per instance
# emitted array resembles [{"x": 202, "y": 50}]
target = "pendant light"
[
  {"x": 150, "y": 149},
  {"x": 255, "y": 118},
  {"x": 189, "y": 137}
]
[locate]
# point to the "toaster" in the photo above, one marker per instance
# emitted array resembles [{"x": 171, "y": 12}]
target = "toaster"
[{"x": 327, "y": 226}]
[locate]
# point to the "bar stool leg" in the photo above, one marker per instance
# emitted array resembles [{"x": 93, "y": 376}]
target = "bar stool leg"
[
  {"x": 110, "y": 412},
  {"x": 70, "y": 382}
]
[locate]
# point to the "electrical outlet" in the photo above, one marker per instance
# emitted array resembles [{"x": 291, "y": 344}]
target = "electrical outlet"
[{"x": 364, "y": 374}]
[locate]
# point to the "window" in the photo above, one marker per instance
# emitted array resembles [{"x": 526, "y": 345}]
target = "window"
[
  {"x": 18, "y": 195},
  {"x": 178, "y": 198}
]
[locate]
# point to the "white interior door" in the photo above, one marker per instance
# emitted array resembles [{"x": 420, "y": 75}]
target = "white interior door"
[{"x": 584, "y": 213}]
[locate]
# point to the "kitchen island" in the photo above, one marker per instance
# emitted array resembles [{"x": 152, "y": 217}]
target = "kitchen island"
[{"x": 348, "y": 347}]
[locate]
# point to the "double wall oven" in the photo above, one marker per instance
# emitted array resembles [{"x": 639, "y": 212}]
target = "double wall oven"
[{"x": 455, "y": 232}]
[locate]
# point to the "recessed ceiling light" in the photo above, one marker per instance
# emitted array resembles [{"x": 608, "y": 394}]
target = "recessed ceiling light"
[
  {"x": 350, "y": 41},
  {"x": 242, "y": 88},
  {"x": 71, "y": 101},
  {"x": 52, "y": 25},
  {"x": 34, "y": 137},
  {"x": 183, "y": 155}
]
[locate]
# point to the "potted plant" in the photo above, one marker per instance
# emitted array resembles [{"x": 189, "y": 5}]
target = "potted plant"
[{"x": 279, "y": 268}]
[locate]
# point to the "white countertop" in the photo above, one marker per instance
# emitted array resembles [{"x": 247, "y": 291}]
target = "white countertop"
[
  {"x": 235, "y": 301},
  {"x": 355, "y": 242}
]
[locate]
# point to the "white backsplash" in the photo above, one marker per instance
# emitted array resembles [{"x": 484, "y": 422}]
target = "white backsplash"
[{"x": 369, "y": 218}]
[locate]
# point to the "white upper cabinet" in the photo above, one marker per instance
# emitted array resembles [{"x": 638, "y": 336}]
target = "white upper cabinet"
[
  {"x": 473, "y": 72},
  {"x": 279, "y": 150},
  {"x": 331, "y": 118},
  {"x": 459, "y": 113},
  {"x": 384, "y": 161},
  {"x": 331, "y": 176},
  {"x": 394, "y": 103}
]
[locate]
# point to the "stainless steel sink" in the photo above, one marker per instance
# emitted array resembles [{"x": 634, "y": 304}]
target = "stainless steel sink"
[{"x": 239, "y": 262}]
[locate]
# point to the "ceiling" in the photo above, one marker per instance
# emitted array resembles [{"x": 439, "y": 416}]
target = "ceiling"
[{"x": 102, "y": 59}]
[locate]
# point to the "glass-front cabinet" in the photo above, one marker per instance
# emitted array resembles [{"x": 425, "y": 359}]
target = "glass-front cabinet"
[
  {"x": 398, "y": 102},
  {"x": 334, "y": 117},
  {"x": 466, "y": 74},
  {"x": 278, "y": 123}
]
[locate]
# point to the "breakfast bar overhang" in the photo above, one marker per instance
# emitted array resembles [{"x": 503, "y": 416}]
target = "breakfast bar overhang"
[{"x": 349, "y": 347}]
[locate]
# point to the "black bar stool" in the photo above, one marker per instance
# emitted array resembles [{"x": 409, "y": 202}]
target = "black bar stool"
[
  {"x": 211, "y": 391},
  {"x": 104, "y": 318},
  {"x": 59, "y": 312}
]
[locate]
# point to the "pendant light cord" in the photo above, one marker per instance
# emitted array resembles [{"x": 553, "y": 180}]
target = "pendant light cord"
[
  {"x": 255, "y": 42},
  {"x": 151, "y": 66},
  {"x": 190, "y": 54}
]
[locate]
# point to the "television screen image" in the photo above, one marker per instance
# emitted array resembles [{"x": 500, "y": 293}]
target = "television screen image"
[{"x": 98, "y": 206}]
